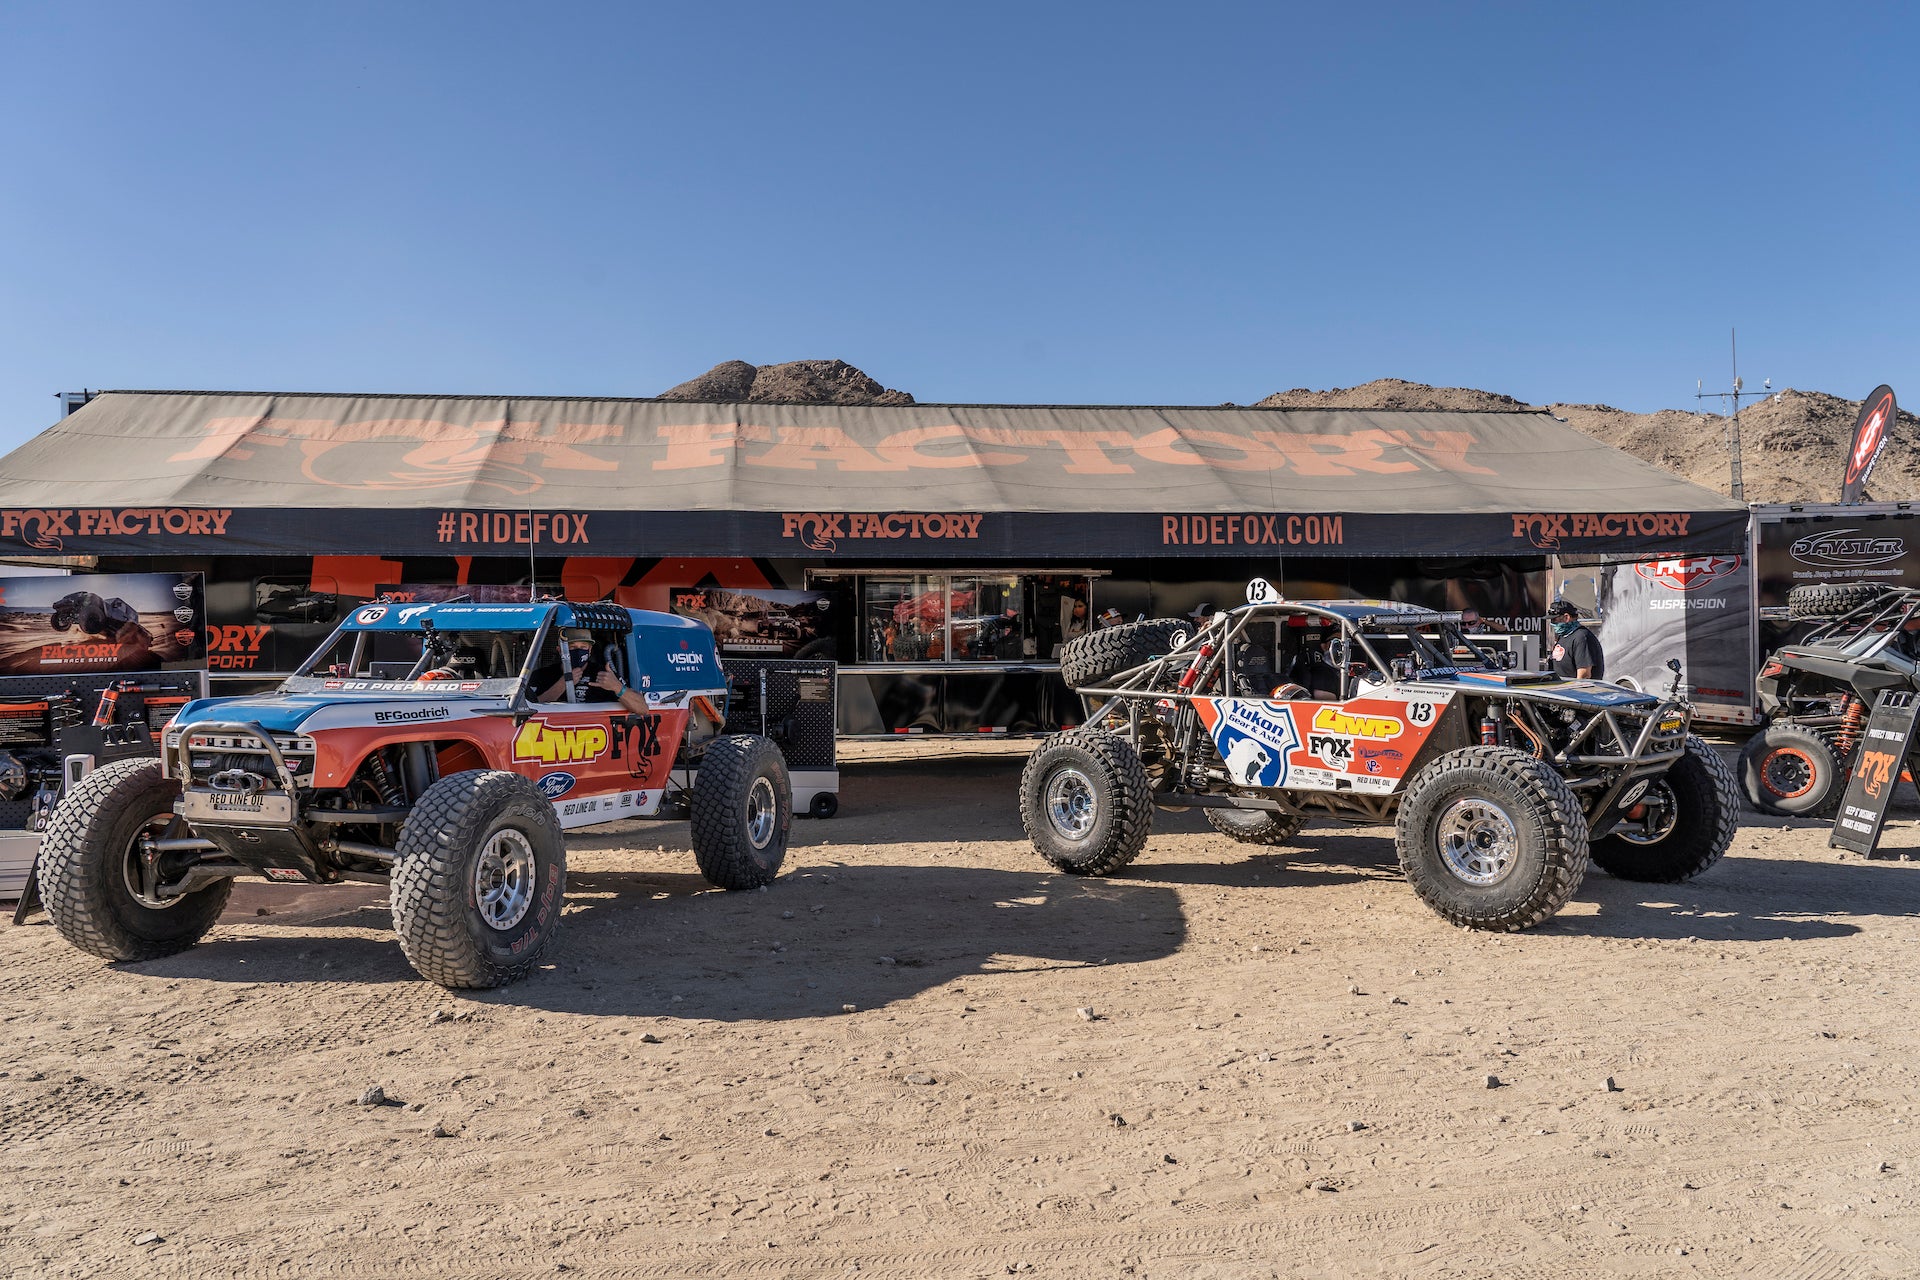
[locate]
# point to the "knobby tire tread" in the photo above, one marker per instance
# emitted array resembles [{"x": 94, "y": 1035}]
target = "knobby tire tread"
[
  {"x": 73, "y": 869},
  {"x": 428, "y": 886},
  {"x": 1681, "y": 861},
  {"x": 1124, "y": 786},
  {"x": 719, "y": 822},
  {"x": 1553, "y": 805}
]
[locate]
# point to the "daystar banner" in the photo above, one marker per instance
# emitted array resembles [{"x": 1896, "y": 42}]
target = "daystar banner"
[
  {"x": 1870, "y": 432},
  {"x": 102, "y": 623}
]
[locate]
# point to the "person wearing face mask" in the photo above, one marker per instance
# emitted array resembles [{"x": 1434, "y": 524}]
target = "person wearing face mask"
[{"x": 1576, "y": 650}]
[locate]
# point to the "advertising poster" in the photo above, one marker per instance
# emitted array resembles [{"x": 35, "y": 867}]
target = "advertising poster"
[
  {"x": 761, "y": 623},
  {"x": 102, "y": 623},
  {"x": 1694, "y": 608}
]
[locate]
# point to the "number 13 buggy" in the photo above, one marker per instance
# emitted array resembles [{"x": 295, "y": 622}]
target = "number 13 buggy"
[
  {"x": 440, "y": 749},
  {"x": 1502, "y": 783}
]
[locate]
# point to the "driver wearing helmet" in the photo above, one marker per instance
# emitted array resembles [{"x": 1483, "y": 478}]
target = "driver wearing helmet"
[{"x": 1576, "y": 650}]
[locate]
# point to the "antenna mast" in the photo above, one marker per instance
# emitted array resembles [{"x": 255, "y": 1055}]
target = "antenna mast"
[{"x": 1733, "y": 424}]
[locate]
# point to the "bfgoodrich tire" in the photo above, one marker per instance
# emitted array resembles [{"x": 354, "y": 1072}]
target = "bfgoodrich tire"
[
  {"x": 479, "y": 879},
  {"x": 1792, "y": 772},
  {"x": 1828, "y": 599},
  {"x": 1093, "y": 657},
  {"x": 1492, "y": 838},
  {"x": 742, "y": 812},
  {"x": 90, "y": 868},
  {"x": 1702, "y": 808},
  {"x": 1086, "y": 802},
  {"x": 1255, "y": 826}
]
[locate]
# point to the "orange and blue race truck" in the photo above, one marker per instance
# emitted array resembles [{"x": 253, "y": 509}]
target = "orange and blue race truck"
[
  {"x": 442, "y": 749},
  {"x": 1501, "y": 784}
]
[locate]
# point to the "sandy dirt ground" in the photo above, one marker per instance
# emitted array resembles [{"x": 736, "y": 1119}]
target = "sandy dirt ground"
[{"x": 1286, "y": 1072}]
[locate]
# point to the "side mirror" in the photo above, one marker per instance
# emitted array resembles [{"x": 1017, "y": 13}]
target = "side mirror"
[
  {"x": 1402, "y": 668},
  {"x": 1673, "y": 665},
  {"x": 1339, "y": 651},
  {"x": 1510, "y": 660}
]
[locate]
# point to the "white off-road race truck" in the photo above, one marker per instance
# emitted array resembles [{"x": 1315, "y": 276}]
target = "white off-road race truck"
[
  {"x": 1501, "y": 783},
  {"x": 442, "y": 750}
]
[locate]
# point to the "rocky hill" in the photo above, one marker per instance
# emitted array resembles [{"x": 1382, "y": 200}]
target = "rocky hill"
[
  {"x": 795, "y": 382},
  {"x": 1791, "y": 445}
]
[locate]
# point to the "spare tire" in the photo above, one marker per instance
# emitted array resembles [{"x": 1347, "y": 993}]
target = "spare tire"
[
  {"x": 1093, "y": 657},
  {"x": 1828, "y": 599}
]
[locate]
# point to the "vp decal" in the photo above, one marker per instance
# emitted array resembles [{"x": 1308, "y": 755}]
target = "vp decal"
[{"x": 538, "y": 742}]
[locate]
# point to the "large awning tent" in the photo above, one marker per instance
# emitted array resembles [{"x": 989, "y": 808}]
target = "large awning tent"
[{"x": 154, "y": 473}]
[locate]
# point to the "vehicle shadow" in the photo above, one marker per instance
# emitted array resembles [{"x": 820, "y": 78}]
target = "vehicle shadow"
[
  {"x": 664, "y": 943},
  {"x": 830, "y": 936},
  {"x": 1748, "y": 900}
]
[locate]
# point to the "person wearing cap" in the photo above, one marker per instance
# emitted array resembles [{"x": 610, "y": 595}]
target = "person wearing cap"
[
  {"x": 1576, "y": 650},
  {"x": 1201, "y": 615}
]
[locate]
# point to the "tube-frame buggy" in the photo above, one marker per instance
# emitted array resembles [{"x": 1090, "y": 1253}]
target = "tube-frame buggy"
[{"x": 1502, "y": 784}]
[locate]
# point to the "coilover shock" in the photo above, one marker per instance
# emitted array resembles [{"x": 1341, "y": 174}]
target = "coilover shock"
[
  {"x": 382, "y": 778},
  {"x": 1853, "y": 717}
]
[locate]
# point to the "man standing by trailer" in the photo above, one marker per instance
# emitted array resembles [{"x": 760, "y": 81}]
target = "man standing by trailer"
[{"x": 1576, "y": 650}]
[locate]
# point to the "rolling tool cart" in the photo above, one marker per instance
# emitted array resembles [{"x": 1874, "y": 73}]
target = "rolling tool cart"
[{"x": 791, "y": 701}]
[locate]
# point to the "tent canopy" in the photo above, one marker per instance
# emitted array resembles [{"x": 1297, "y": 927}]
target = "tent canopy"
[{"x": 143, "y": 472}]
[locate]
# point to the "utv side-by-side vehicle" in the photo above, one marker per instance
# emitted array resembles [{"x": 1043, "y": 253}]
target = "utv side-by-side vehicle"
[
  {"x": 1502, "y": 783},
  {"x": 441, "y": 749},
  {"x": 1817, "y": 693}
]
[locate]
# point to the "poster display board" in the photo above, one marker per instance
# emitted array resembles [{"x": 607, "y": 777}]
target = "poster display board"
[
  {"x": 1694, "y": 608},
  {"x": 102, "y": 623},
  {"x": 760, "y": 622},
  {"x": 1863, "y": 810},
  {"x": 426, "y": 593}
]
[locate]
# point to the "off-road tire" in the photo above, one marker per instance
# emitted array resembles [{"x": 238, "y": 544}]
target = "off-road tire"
[
  {"x": 1707, "y": 813},
  {"x": 436, "y": 910},
  {"x": 1549, "y": 858},
  {"x": 1255, "y": 826},
  {"x": 1091, "y": 658},
  {"x": 83, "y": 884},
  {"x": 1118, "y": 801},
  {"x": 737, "y": 840},
  {"x": 1828, "y": 599},
  {"x": 1792, "y": 772}
]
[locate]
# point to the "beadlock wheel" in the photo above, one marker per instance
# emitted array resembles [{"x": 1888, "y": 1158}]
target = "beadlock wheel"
[
  {"x": 1070, "y": 803},
  {"x": 503, "y": 878},
  {"x": 1478, "y": 840},
  {"x": 763, "y": 812},
  {"x": 1787, "y": 773}
]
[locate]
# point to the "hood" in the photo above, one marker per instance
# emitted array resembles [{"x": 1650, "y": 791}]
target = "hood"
[
  {"x": 1550, "y": 688},
  {"x": 288, "y": 712}
]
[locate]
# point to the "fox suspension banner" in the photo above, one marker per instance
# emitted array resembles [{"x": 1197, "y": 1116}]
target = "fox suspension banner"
[{"x": 1870, "y": 432}]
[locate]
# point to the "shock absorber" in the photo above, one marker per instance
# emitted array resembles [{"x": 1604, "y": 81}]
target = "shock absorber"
[
  {"x": 382, "y": 779},
  {"x": 1853, "y": 718}
]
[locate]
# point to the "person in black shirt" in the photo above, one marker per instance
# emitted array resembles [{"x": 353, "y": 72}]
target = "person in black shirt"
[{"x": 1576, "y": 650}]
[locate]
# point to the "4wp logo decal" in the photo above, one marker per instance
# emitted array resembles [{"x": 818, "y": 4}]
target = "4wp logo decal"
[{"x": 538, "y": 742}]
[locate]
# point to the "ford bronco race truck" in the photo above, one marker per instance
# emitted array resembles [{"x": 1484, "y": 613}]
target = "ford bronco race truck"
[
  {"x": 441, "y": 749},
  {"x": 1502, "y": 783},
  {"x": 1817, "y": 693}
]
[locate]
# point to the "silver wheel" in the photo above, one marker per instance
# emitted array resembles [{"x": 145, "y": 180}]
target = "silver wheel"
[
  {"x": 763, "y": 812},
  {"x": 503, "y": 878},
  {"x": 1663, "y": 814},
  {"x": 140, "y": 868},
  {"x": 1070, "y": 803},
  {"x": 1477, "y": 840}
]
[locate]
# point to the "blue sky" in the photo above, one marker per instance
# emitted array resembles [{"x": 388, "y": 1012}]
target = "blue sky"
[{"x": 986, "y": 202}]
